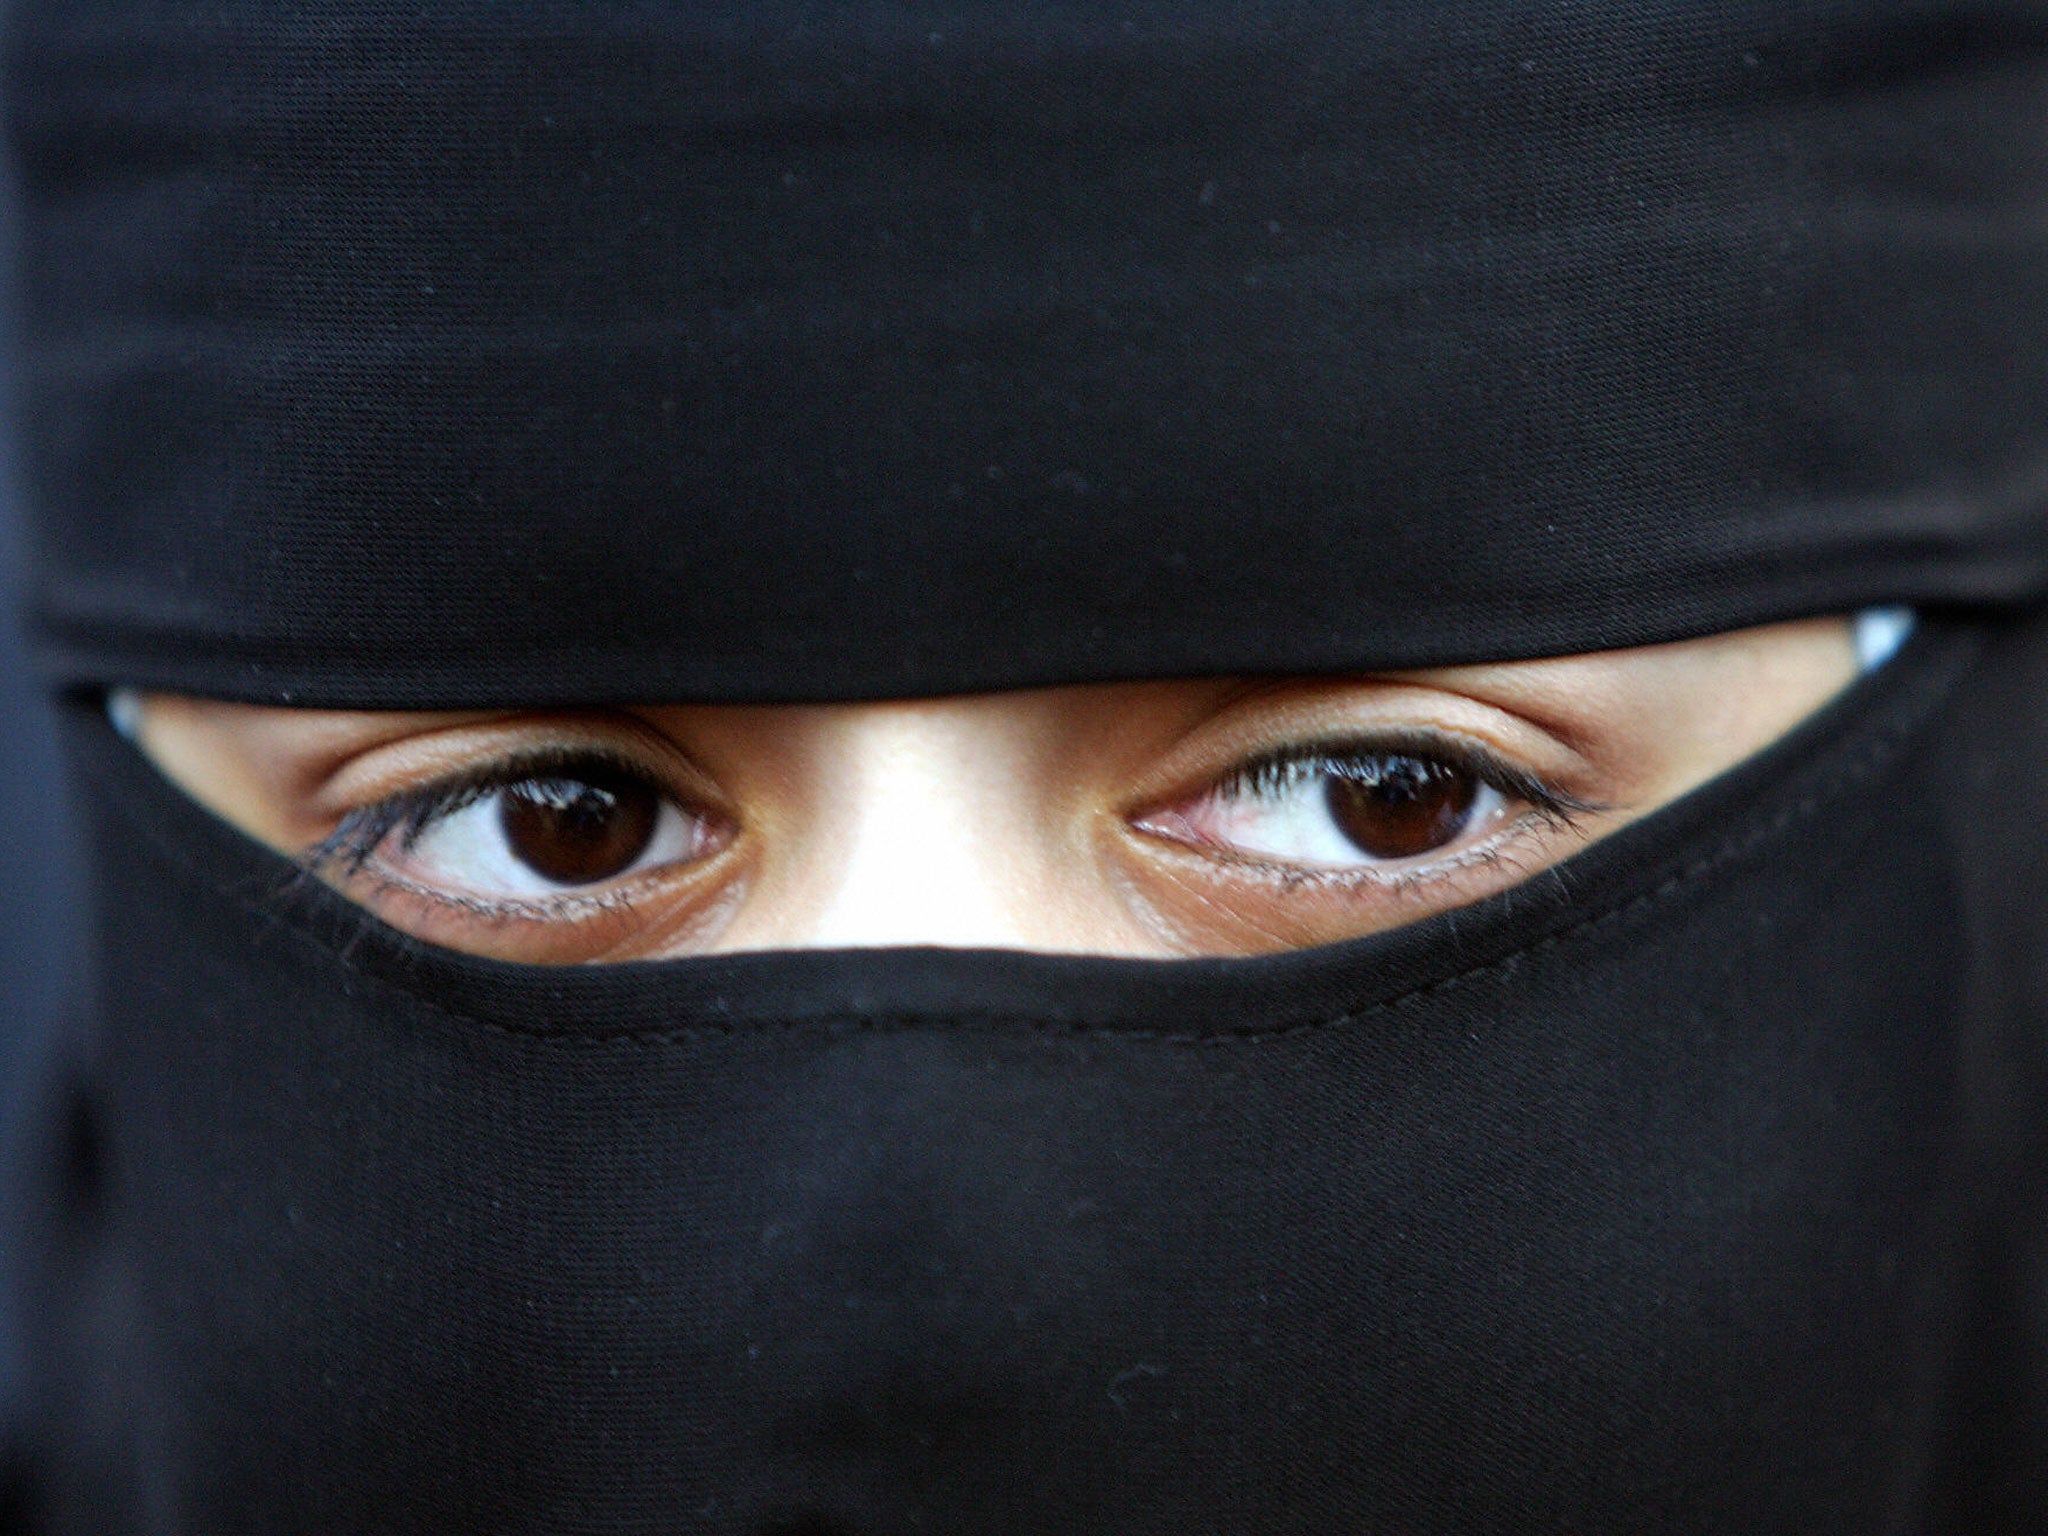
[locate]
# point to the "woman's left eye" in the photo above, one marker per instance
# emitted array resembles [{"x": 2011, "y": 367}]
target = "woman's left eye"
[
  {"x": 538, "y": 835},
  {"x": 1331, "y": 810}
]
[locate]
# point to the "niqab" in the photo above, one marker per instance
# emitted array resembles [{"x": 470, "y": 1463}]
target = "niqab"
[{"x": 378, "y": 355}]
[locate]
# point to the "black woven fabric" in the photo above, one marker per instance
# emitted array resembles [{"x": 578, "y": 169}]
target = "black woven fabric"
[
  {"x": 1692, "y": 1187},
  {"x": 468, "y": 352}
]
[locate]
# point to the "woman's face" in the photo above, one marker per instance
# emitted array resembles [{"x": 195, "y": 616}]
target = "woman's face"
[{"x": 1210, "y": 817}]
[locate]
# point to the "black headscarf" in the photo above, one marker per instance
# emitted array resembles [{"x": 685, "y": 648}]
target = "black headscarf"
[{"x": 465, "y": 353}]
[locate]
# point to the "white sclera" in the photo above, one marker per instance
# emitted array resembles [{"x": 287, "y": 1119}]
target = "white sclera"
[
  {"x": 1292, "y": 822},
  {"x": 467, "y": 851}
]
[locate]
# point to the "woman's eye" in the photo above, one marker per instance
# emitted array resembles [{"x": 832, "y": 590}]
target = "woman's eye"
[
  {"x": 1333, "y": 811},
  {"x": 545, "y": 834}
]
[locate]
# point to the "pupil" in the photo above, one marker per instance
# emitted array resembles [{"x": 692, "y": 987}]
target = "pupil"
[
  {"x": 1402, "y": 807},
  {"x": 576, "y": 831}
]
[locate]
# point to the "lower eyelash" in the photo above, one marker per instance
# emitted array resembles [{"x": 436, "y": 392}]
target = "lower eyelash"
[
  {"x": 1497, "y": 849},
  {"x": 571, "y": 906}
]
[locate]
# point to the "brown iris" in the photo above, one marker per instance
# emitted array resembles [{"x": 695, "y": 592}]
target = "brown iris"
[
  {"x": 578, "y": 831},
  {"x": 1402, "y": 807}
]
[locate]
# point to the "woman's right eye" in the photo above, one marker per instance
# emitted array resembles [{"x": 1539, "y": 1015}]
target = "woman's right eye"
[{"x": 527, "y": 837}]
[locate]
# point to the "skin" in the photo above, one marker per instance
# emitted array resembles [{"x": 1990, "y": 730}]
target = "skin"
[{"x": 1081, "y": 819}]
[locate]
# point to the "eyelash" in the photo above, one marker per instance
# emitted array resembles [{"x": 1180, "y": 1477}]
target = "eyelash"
[
  {"x": 1273, "y": 773},
  {"x": 1290, "y": 767},
  {"x": 355, "y": 843}
]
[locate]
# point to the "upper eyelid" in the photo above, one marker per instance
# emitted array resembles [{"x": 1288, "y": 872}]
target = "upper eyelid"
[
  {"x": 525, "y": 763},
  {"x": 508, "y": 746},
  {"x": 1302, "y": 717},
  {"x": 450, "y": 789}
]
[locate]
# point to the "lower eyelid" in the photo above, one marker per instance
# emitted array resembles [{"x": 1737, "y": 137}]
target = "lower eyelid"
[
  {"x": 1211, "y": 902},
  {"x": 634, "y": 918},
  {"x": 1492, "y": 850},
  {"x": 570, "y": 906}
]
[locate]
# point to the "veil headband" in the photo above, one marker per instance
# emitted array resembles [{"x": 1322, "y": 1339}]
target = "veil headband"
[{"x": 486, "y": 353}]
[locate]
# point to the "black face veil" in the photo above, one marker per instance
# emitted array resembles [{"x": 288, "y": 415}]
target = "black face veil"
[{"x": 478, "y": 354}]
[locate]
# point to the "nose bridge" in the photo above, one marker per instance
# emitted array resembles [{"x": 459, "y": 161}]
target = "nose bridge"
[{"x": 926, "y": 834}]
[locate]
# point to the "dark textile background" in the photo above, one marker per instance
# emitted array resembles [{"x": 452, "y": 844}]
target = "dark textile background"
[
  {"x": 37, "y": 906},
  {"x": 469, "y": 354}
]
